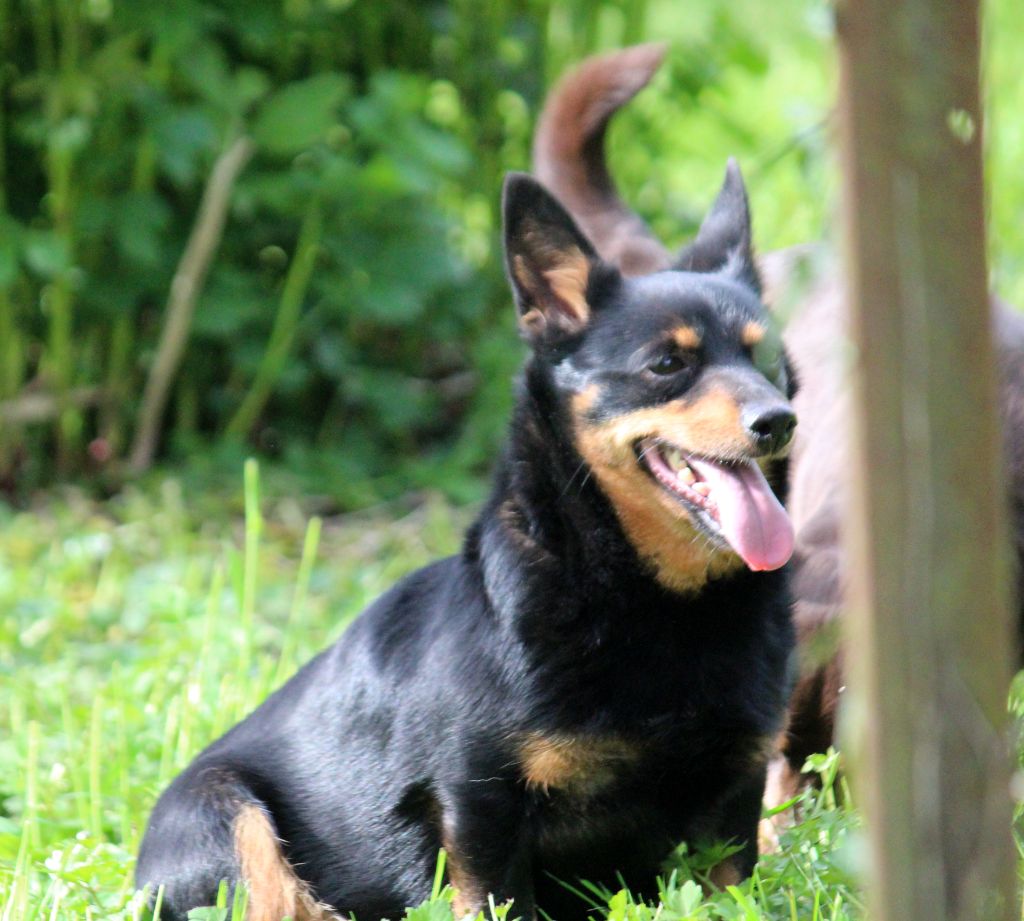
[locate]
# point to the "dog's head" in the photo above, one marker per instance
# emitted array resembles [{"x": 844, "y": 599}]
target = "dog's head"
[{"x": 676, "y": 383}]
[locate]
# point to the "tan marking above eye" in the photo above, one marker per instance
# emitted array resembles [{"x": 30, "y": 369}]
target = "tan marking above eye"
[
  {"x": 752, "y": 333},
  {"x": 686, "y": 337}
]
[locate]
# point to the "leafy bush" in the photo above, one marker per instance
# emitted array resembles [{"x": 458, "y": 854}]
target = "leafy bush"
[{"x": 355, "y": 318}]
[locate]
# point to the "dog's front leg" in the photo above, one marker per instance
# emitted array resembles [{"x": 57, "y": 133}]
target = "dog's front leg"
[
  {"x": 489, "y": 852},
  {"x": 739, "y": 825}
]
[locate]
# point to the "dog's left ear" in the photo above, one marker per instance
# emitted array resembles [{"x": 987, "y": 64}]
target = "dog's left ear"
[
  {"x": 723, "y": 242},
  {"x": 548, "y": 261}
]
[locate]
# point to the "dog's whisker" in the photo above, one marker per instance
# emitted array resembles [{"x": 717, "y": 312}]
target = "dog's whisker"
[{"x": 569, "y": 482}]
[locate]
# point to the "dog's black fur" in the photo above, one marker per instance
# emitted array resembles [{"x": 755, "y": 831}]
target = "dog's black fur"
[
  {"x": 571, "y": 696},
  {"x": 569, "y": 157}
]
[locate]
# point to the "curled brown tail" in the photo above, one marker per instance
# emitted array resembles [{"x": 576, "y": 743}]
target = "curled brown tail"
[{"x": 568, "y": 154}]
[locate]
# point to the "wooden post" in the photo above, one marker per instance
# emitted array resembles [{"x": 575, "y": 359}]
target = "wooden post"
[{"x": 929, "y": 625}]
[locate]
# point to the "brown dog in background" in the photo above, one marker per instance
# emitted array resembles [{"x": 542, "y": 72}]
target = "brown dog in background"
[{"x": 569, "y": 159}]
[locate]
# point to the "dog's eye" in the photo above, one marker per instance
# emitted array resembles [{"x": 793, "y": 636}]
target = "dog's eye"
[{"x": 669, "y": 364}]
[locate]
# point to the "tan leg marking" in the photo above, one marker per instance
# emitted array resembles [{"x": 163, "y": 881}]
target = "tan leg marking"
[
  {"x": 466, "y": 903},
  {"x": 725, "y": 874},
  {"x": 275, "y": 892},
  {"x": 470, "y": 897}
]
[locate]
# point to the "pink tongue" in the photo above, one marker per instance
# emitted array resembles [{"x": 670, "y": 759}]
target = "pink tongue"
[{"x": 751, "y": 518}]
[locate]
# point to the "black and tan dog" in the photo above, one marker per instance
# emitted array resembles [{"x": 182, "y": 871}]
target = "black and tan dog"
[
  {"x": 569, "y": 158},
  {"x": 596, "y": 677}
]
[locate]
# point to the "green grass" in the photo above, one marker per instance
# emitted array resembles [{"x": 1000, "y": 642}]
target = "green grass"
[
  {"x": 131, "y": 634},
  {"x": 134, "y": 632}
]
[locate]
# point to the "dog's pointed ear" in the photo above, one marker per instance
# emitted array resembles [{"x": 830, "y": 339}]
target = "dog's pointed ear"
[
  {"x": 723, "y": 243},
  {"x": 548, "y": 260}
]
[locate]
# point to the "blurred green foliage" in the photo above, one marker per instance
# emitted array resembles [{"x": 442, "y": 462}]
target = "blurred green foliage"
[
  {"x": 355, "y": 321},
  {"x": 381, "y": 130}
]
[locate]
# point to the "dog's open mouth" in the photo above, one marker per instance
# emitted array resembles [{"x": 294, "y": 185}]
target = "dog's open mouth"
[{"x": 731, "y": 502}]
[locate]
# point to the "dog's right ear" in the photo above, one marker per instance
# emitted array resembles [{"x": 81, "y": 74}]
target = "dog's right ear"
[
  {"x": 548, "y": 261},
  {"x": 723, "y": 241}
]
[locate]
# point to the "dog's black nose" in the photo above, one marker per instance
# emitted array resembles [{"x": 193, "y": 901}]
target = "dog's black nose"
[{"x": 772, "y": 426}]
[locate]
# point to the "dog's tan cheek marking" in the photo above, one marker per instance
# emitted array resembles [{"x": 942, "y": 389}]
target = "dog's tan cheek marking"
[
  {"x": 575, "y": 764},
  {"x": 657, "y": 526},
  {"x": 662, "y": 535},
  {"x": 709, "y": 424},
  {"x": 752, "y": 333},
  {"x": 275, "y": 892},
  {"x": 686, "y": 337}
]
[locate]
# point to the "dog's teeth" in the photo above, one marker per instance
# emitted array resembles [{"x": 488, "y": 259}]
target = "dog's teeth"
[
  {"x": 702, "y": 489},
  {"x": 687, "y": 475},
  {"x": 673, "y": 458}
]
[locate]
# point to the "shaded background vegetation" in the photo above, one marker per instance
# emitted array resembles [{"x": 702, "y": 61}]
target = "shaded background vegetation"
[{"x": 355, "y": 322}]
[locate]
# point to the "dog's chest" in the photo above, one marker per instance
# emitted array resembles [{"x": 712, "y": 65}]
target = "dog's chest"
[
  {"x": 585, "y": 787},
  {"x": 576, "y": 765},
  {"x": 575, "y": 784}
]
